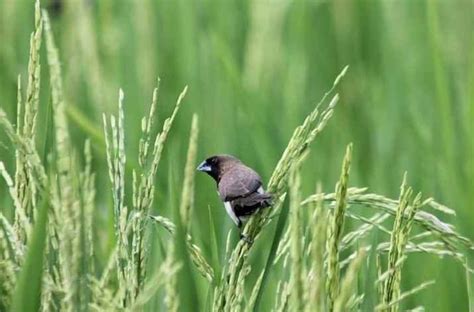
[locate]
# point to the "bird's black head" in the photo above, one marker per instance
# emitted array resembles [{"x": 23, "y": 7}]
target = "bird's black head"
[{"x": 216, "y": 165}]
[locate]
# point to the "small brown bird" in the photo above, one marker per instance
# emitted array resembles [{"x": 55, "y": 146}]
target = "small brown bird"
[{"x": 238, "y": 186}]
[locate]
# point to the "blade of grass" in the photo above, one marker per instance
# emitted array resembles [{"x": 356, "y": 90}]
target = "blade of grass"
[
  {"x": 27, "y": 296},
  {"x": 214, "y": 248},
  {"x": 186, "y": 283},
  {"x": 335, "y": 231},
  {"x": 470, "y": 290},
  {"x": 283, "y": 217},
  {"x": 296, "y": 243}
]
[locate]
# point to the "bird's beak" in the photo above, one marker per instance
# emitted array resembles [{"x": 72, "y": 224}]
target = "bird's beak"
[{"x": 204, "y": 167}]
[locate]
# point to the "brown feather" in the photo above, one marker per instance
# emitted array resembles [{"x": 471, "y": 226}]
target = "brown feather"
[
  {"x": 245, "y": 206},
  {"x": 237, "y": 185},
  {"x": 238, "y": 181}
]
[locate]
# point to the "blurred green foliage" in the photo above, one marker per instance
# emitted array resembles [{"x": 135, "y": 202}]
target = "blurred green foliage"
[{"x": 254, "y": 70}]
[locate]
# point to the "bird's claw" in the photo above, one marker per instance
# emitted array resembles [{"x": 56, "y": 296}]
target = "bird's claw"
[{"x": 246, "y": 239}]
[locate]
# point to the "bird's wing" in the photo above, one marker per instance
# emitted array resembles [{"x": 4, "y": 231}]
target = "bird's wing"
[{"x": 240, "y": 181}]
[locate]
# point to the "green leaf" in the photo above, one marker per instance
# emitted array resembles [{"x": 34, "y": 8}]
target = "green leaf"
[
  {"x": 27, "y": 296},
  {"x": 215, "y": 250},
  {"x": 271, "y": 256}
]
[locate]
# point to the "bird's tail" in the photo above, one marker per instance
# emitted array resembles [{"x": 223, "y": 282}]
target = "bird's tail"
[{"x": 248, "y": 205}]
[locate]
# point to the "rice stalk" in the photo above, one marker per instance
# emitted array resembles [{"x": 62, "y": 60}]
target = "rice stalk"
[
  {"x": 342, "y": 301},
  {"x": 383, "y": 276},
  {"x": 144, "y": 186},
  {"x": 11, "y": 249},
  {"x": 347, "y": 260},
  {"x": 103, "y": 298},
  {"x": 273, "y": 249},
  {"x": 34, "y": 71},
  {"x": 8, "y": 240},
  {"x": 24, "y": 188},
  {"x": 316, "y": 280},
  {"x": 444, "y": 231},
  {"x": 72, "y": 190},
  {"x": 159, "y": 279},
  {"x": 111, "y": 263},
  {"x": 88, "y": 197},
  {"x": 336, "y": 228},
  {"x": 298, "y": 144},
  {"x": 131, "y": 260},
  {"x": 116, "y": 160},
  {"x": 282, "y": 297},
  {"x": 166, "y": 223},
  {"x": 63, "y": 144},
  {"x": 433, "y": 247},
  {"x": 253, "y": 296},
  {"x": 236, "y": 299},
  {"x": 296, "y": 243},
  {"x": 110, "y": 266},
  {"x": 37, "y": 173},
  {"x": 141, "y": 189},
  {"x": 68, "y": 210},
  {"x": 85, "y": 186},
  {"x": 404, "y": 295},
  {"x": 28, "y": 288},
  {"x": 147, "y": 124},
  {"x": 219, "y": 293},
  {"x": 172, "y": 297},
  {"x": 194, "y": 251},
  {"x": 7, "y": 283},
  {"x": 187, "y": 194},
  {"x": 15, "y": 242},
  {"x": 355, "y": 236},
  {"x": 161, "y": 138},
  {"x": 47, "y": 303},
  {"x": 399, "y": 238},
  {"x": 19, "y": 110}
]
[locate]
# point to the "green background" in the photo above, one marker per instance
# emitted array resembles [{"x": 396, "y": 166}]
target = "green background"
[{"x": 254, "y": 70}]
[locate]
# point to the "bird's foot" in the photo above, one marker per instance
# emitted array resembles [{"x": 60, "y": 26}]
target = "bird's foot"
[{"x": 246, "y": 239}]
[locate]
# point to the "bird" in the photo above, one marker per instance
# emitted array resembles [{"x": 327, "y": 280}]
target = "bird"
[{"x": 238, "y": 186}]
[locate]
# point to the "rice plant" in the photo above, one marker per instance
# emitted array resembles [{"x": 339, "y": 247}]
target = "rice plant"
[{"x": 327, "y": 251}]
